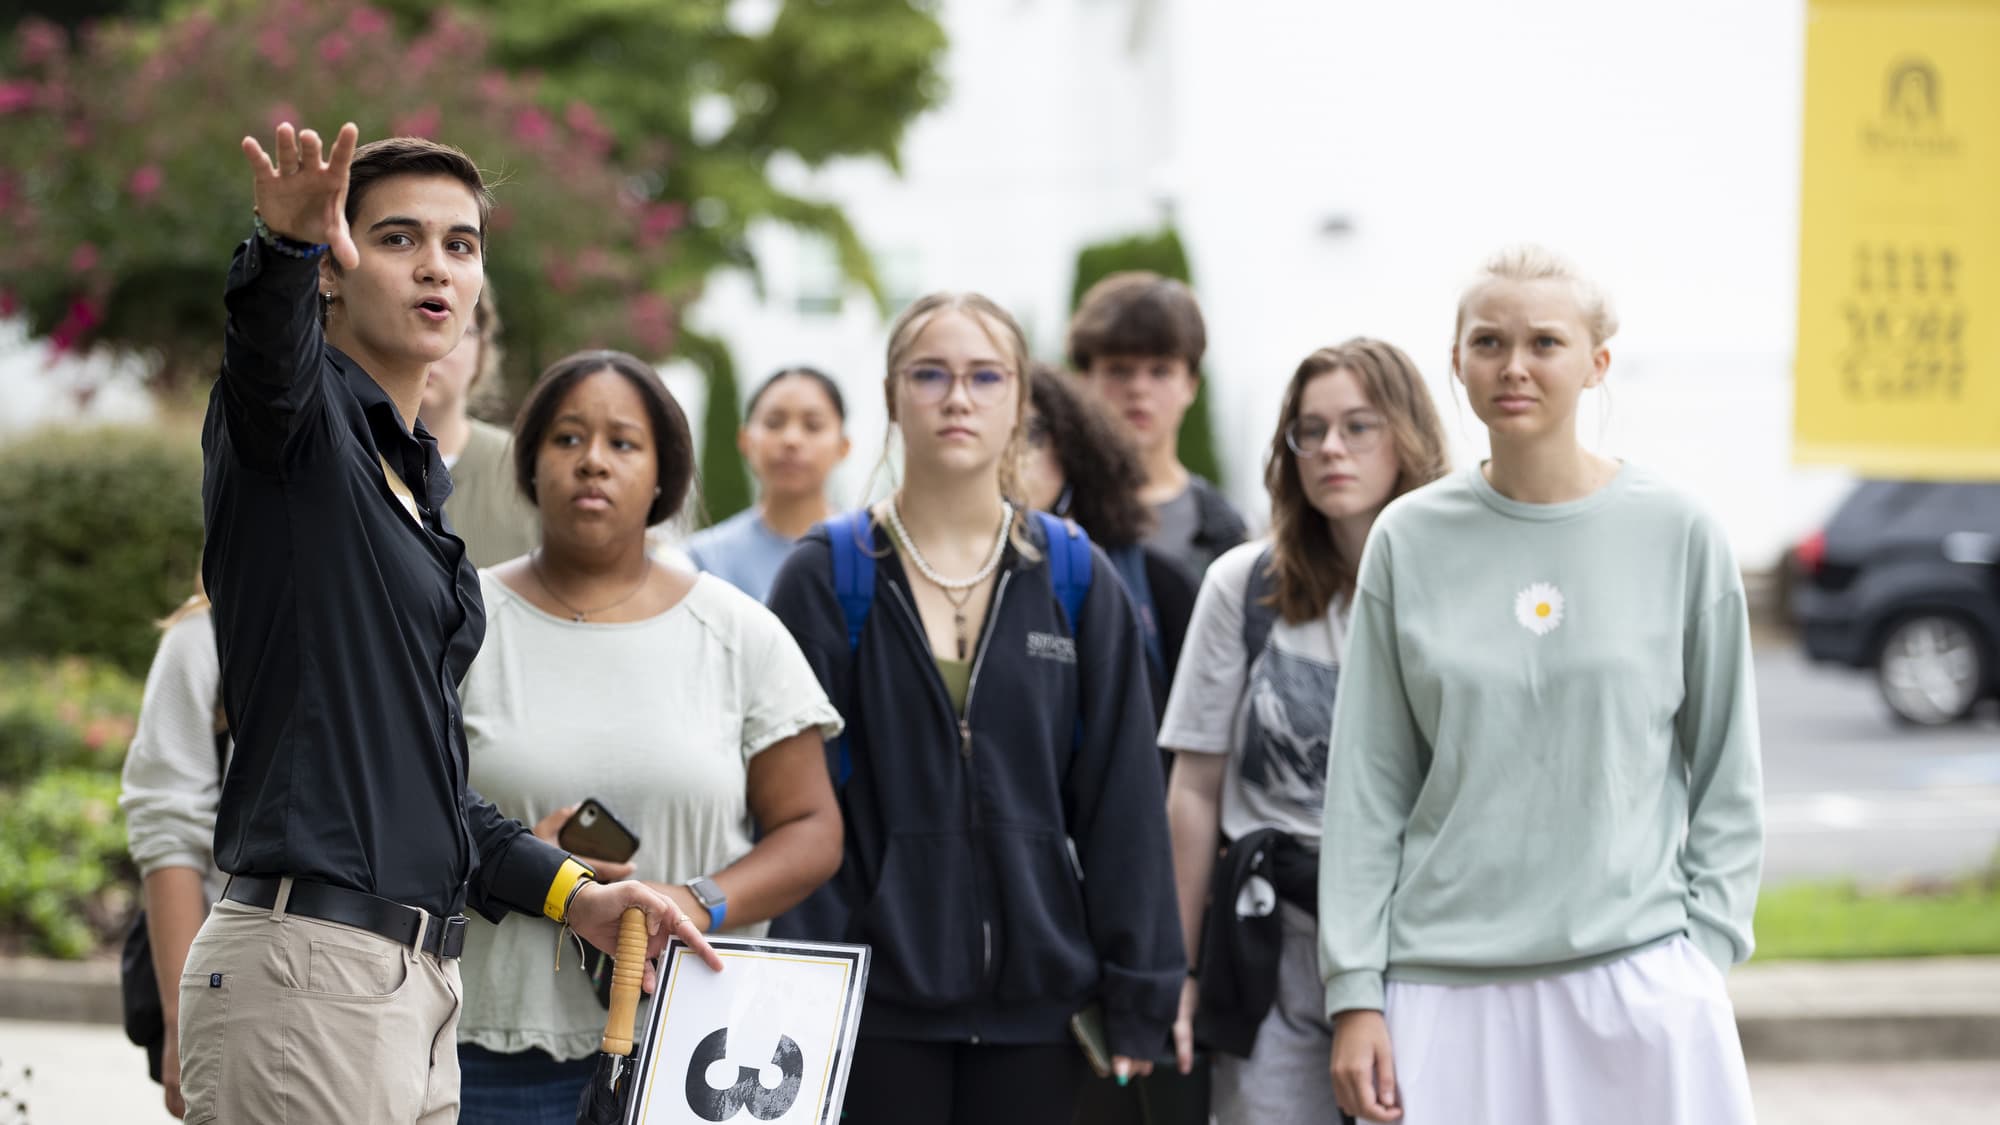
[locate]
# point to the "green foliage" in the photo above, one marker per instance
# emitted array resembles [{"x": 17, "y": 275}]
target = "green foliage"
[
  {"x": 1821, "y": 921},
  {"x": 100, "y": 534},
  {"x": 65, "y": 878},
  {"x": 823, "y": 81},
  {"x": 1162, "y": 253},
  {"x": 119, "y": 218},
  {"x": 725, "y": 482},
  {"x": 63, "y": 714}
]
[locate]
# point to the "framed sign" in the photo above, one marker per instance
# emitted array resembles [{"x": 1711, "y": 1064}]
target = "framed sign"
[{"x": 768, "y": 1040}]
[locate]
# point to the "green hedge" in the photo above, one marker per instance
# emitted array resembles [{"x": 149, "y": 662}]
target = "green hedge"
[
  {"x": 100, "y": 534},
  {"x": 66, "y": 882},
  {"x": 1162, "y": 253},
  {"x": 64, "y": 714}
]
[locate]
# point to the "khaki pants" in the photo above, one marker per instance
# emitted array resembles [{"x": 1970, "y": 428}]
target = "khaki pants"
[{"x": 291, "y": 1019}]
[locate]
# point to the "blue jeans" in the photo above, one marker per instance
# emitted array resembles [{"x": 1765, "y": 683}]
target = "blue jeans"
[{"x": 530, "y": 1088}]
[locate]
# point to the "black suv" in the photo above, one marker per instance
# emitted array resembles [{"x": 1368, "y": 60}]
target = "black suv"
[{"x": 1905, "y": 579}]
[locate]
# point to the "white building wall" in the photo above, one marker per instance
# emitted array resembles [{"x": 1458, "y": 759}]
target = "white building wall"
[{"x": 1339, "y": 169}]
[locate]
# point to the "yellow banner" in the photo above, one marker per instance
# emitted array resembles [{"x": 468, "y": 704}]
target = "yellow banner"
[{"x": 1899, "y": 250}]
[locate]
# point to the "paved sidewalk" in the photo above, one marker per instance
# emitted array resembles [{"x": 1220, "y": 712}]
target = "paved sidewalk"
[
  {"x": 1939, "y": 1008},
  {"x": 86, "y": 1074}
]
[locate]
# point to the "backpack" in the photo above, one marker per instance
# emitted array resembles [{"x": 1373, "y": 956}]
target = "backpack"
[
  {"x": 851, "y": 536},
  {"x": 1259, "y": 612}
]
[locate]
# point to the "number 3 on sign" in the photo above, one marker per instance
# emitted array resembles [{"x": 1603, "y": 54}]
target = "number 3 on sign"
[
  {"x": 767, "y": 1041},
  {"x": 748, "y": 1092}
]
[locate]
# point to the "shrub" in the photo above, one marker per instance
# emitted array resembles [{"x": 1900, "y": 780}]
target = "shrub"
[
  {"x": 64, "y": 714},
  {"x": 100, "y": 534},
  {"x": 66, "y": 882}
]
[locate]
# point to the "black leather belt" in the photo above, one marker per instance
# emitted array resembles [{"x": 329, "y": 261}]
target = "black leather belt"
[{"x": 444, "y": 937}]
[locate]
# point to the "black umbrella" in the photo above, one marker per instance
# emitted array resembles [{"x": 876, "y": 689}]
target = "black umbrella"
[{"x": 604, "y": 1101}]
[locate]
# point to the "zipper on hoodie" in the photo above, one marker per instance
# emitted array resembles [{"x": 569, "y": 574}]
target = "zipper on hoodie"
[{"x": 965, "y": 751}]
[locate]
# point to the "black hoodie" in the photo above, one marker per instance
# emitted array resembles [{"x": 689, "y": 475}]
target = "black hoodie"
[{"x": 1009, "y": 868}]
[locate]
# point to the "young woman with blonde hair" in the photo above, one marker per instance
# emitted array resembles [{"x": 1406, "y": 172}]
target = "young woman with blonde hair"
[
  {"x": 1001, "y": 792},
  {"x": 1543, "y": 814},
  {"x": 1248, "y": 721}
]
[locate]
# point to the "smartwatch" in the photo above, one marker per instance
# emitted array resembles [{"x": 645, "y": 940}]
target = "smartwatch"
[{"x": 711, "y": 899}]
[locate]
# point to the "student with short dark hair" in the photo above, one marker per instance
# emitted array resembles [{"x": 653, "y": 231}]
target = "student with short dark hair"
[
  {"x": 794, "y": 433},
  {"x": 346, "y": 612},
  {"x": 1137, "y": 340}
]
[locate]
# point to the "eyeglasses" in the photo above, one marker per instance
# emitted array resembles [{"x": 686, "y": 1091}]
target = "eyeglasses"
[
  {"x": 931, "y": 384},
  {"x": 1359, "y": 433}
]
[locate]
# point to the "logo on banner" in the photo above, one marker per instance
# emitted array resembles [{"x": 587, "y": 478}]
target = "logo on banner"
[{"x": 1912, "y": 122}]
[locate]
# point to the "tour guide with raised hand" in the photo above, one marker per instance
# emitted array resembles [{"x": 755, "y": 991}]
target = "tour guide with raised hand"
[{"x": 325, "y": 986}]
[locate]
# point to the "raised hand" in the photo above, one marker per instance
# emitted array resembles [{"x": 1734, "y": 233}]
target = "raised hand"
[{"x": 302, "y": 191}]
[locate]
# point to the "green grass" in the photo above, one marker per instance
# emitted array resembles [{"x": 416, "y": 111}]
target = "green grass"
[{"x": 1823, "y": 921}]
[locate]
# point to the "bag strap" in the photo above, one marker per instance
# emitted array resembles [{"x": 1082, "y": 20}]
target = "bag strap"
[
  {"x": 851, "y": 537},
  {"x": 1069, "y": 565},
  {"x": 853, "y": 569},
  {"x": 1259, "y": 612}
]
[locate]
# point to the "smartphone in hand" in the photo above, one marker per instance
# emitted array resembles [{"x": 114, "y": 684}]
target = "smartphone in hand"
[{"x": 592, "y": 831}]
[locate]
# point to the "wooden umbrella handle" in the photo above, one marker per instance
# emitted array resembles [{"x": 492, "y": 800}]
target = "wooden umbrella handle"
[{"x": 628, "y": 969}]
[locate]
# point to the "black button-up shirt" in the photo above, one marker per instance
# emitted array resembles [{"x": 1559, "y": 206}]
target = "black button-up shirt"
[{"x": 344, "y": 627}]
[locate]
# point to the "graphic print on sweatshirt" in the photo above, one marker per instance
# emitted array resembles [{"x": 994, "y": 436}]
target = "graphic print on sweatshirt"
[{"x": 1289, "y": 715}]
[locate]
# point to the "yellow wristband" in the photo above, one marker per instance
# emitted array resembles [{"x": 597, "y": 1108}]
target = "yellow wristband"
[{"x": 556, "y": 905}]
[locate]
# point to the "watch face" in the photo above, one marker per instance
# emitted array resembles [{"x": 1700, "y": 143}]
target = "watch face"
[{"x": 705, "y": 891}]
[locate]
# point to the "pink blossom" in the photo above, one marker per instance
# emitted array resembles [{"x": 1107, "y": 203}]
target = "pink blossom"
[
  {"x": 367, "y": 21},
  {"x": 40, "y": 41},
  {"x": 652, "y": 322},
  {"x": 583, "y": 121},
  {"x": 532, "y": 127},
  {"x": 276, "y": 48},
  {"x": 560, "y": 275},
  {"x": 280, "y": 113},
  {"x": 493, "y": 85},
  {"x": 146, "y": 179},
  {"x": 84, "y": 258},
  {"x": 16, "y": 96},
  {"x": 83, "y": 315},
  {"x": 418, "y": 123},
  {"x": 660, "y": 220},
  {"x": 10, "y": 302},
  {"x": 334, "y": 48}
]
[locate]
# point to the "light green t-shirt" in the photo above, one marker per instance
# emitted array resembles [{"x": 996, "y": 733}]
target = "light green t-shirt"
[
  {"x": 659, "y": 720},
  {"x": 1544, "y": 751}
]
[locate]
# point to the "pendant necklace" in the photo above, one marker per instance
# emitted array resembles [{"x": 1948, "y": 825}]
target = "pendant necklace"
[
  {"x": 581, "y": 616},
  {"x": 957, "y": 591}
]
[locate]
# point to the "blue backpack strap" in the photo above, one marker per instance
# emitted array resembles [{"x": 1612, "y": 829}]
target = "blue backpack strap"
[
  {"x": 851, "y": 537},
  {"x": 1068, "y": 550}
]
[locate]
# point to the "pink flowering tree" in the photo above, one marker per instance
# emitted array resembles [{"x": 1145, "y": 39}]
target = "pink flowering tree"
[{"x": 122, "y": 191}]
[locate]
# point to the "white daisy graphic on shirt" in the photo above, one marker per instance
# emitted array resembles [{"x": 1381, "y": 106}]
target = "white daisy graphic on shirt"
[{"x": 1539, "y": 608}]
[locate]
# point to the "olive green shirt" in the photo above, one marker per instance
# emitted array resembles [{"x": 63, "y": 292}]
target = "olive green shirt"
[{"x": 486, "y": 509}]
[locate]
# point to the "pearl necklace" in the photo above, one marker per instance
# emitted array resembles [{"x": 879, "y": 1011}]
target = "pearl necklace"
[{"x": 957, "y": 591}]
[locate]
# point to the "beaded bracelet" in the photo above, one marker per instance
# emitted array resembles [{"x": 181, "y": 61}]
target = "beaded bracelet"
[{"x": 289, "y": 247}]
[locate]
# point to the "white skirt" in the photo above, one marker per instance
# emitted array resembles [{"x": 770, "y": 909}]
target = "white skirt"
[{"x": 1647, "y": 1040}]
